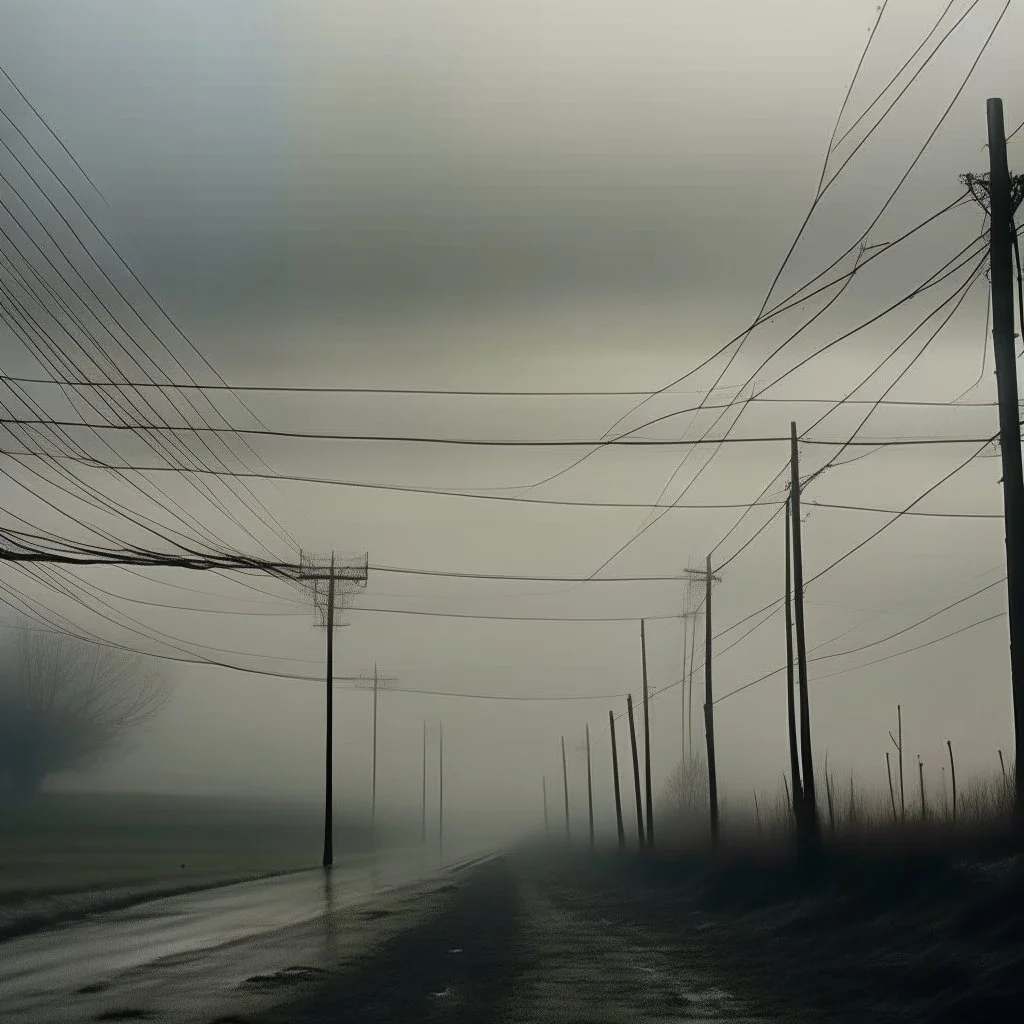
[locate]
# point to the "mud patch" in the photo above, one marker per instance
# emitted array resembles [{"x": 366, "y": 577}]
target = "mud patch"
[
  {"x": 282, "y": 979},
  {"x": 125, "y": 1014},
  {"x": 93, "y": 987}
]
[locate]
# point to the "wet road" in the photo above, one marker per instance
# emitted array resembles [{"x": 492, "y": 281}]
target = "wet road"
[{"x": 191, "y": 945}]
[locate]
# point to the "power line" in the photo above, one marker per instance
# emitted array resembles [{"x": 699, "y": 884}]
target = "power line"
[
  {"x": 317, "y": 679},
  {"x": 469, "y": 441}
]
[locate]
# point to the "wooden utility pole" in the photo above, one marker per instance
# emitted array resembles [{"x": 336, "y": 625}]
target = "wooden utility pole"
[
  {"x": 794, "y": 761},
  {"x": 897, "y": 742},
  {"x": 920, "y": 772},
  {"x": 952, "y": 774},
  {"x": 647, "y": 740},
  {"x": 636, "y": 771},
  {"x": 689, "y": 686},
  {"x": 373, "y": 773},
  {"x": 565, "y": 791},
  {"x": 320, "y": 582},
  {"x": 544, "y": 791},
  {"x": 1002, "y": 200},
  {"x": 590, "y": 791},
  {"x": 423, "y": 810},
  {"x": 376, "y": 682},
  {"x": 440, "y": 792},
  {"x": 615, "y": 773},
  {"x": 682, "y": 702},
  {"x": 808, "y": 801},
  {"x": 892, "y": 795},
  {"x": 709, "y": 708},
  {"x": 328, "y": 858}
]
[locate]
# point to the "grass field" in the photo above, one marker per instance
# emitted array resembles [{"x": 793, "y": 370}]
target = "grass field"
[{"x": 69, "y": 843}]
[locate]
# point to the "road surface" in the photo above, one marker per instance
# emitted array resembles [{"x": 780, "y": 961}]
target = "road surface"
[
  {"x": 487, "y": 942},
  {"x": 180, "y": 955}
]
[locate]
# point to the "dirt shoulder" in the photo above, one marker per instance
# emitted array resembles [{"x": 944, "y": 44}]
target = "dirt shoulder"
[{"x": 916, "y": 942}]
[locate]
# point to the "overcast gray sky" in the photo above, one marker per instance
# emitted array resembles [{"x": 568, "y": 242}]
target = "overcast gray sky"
[{"x": 574, "y": 195}]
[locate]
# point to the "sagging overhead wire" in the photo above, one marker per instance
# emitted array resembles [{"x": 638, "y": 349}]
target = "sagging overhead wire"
[{"x": 117, "y": 254}]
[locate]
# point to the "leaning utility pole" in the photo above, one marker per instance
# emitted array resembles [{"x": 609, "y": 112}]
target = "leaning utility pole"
[
  {"x": 810, "y": 807},
  {"x": 320, "y": 581},
  {"x": 615, "y": 773},
  {"x": 794, "y": 761},
  {"x": 1004, "y": 195},
  {"x": 565, "y": 790},
  {"x": 647, "y": 740},
  {"x": 709, "y": 708},
  {"x": 636, "y": 771}
]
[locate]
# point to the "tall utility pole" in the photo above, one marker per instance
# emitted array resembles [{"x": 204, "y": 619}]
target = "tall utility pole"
[
  {"x": 376, "y": 682},
  {"x": 328, "y": 858},
  {"x": 423, "y": 806},
  {"x": 440, "y": 793},
  {"x": 810, "y": 806},
  {"x": 794, "y": 761},
  {"x": 647, "y": 740},
  {"x": 689, "y": 685},
  {"x": 682, "y": 698},
  {"x": 565, "y": 790},
  {"x": 1004, "y": 195},
  {"x": 709, "y": 708},
  {"x": 615, "y": 773},
  {"x": 636, "y": 771},
  {"x": 320, "y": 581},
  {"x": 430, "y": 734},
  {"x": 590, "y": 791},
  {"x": 544, "y": 790},
  {"x": 691, "y": 615}
]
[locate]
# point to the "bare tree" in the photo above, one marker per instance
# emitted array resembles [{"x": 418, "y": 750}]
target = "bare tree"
[{"x": 64, "y": 703}]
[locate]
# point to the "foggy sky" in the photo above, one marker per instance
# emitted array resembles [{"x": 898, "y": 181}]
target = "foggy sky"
[{"x": 571, "y": 195}]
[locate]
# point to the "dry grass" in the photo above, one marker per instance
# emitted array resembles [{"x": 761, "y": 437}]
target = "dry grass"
[{"x": 850, "y": 816}]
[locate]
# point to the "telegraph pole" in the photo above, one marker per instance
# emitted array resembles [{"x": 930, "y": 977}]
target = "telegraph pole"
[
  {"x": 647, "y": 740},
  {"x": 440, "y": 793},
  {"x": 565, "y": 790},
  {"x": 808, "y": 800},
  {"x": 328, "y": 858},
  {"x": 373, "y": 773},
  {"x": 590, "y": 791},
  {"x": 544, "y": 790},
  {"x": 1004, "y": 195},
  {"x": 615, "y": 774},
  {"x": 709, "y": 707},
  {"x": 682, "y": 697},
  {"x": 636, "y": 771},
  {"x": 423, "y": 806},
  {"x": 691, "y": 615},
  {"x": 320, "y": 581},
  {"x": 377, "y": 682},
  {"x": 689, "y": 686},
  {"x": 794, "y": 761}
]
